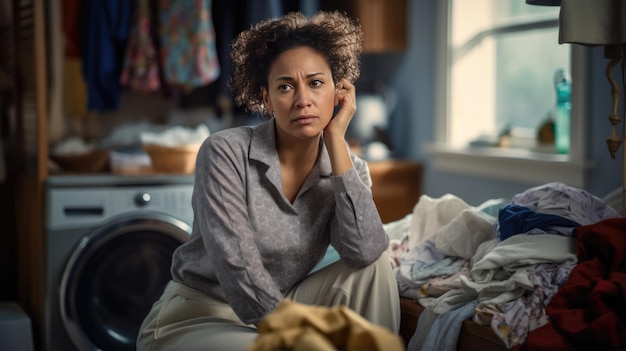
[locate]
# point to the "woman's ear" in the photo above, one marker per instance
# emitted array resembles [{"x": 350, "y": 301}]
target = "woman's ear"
[{"x": 266, "y": 99}]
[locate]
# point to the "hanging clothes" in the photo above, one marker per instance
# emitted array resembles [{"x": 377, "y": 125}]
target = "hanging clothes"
[
  {"x": 105, "y": 29},
  {"x": 142, "y": 66},
  {"x": 71, "y": 26},
  {"x": 229, "y": 19},
  {"x": 187, "y": 41},
  {"x": 74, "y": 87}
]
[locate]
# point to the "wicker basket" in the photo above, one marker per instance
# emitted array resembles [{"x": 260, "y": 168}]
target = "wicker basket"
[
  {"x": 179, "y": 159},
  {"x": 92, "y": 161}
]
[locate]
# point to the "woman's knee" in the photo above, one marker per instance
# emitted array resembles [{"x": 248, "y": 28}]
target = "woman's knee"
[{"x": 382, "y": 268}]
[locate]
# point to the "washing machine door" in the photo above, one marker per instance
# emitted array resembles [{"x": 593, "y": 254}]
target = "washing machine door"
[{"x": 114, "y": 276}]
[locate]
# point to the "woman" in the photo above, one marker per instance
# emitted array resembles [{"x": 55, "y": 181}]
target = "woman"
[{"x": 269, "y": 199}]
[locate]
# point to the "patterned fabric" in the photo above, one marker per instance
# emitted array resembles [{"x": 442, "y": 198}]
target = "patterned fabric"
[
  {"x": 513, "y": 320},
  {"x": 188, "y": 43},
  {"x": 568, "y": 202},
  {"x": 141, "y": 65}
]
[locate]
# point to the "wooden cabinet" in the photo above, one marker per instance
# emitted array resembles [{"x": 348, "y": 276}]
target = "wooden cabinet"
[
  {"x": 396, "y": 187},
  {"x": 384, "y": 22},
  {"x": 30, "y": 144}
]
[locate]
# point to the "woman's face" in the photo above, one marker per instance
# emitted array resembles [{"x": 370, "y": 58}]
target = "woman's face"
[{"x": 300, "y": 93}]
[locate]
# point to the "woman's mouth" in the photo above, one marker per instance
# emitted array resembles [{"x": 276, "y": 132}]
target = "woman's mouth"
[{"x": 304, "y": 119}]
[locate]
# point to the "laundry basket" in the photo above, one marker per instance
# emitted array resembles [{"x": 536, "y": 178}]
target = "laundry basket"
[
  {"x": 172, "y": 159},
  {"x": 91, "y": 161}
]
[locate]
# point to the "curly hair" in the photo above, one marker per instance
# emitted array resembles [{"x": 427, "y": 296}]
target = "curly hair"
[{"x": 334, "y": 35}]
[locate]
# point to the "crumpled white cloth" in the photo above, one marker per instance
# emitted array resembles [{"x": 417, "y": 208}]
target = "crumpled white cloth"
[
  {"x": 176, "y": 136},
  {"x": 443, "y": 233},
  {"x": 464, "y": 233},
  {"x": 502, "y": 274},
  {"x": 500, "y": 269},
  {"x": 430, "y": 214}
]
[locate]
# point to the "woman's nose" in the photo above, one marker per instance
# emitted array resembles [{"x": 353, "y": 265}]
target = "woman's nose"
[{"x": 302, "y": 98}]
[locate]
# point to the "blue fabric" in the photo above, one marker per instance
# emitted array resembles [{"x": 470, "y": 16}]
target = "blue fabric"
[
  {"x": 106, "y": 26},
  {"x": 330, "y": 257},
  {"x": 426, "y": 319},
  {"x": 515, "y": 219},
  {"x": 188, "y": 43},
  {"x": 444, "y": 332},
  {"x": 429, "y": 262}
]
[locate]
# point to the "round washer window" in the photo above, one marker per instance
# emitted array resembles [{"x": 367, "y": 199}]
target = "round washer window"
[{"x": 113, "y": 278}]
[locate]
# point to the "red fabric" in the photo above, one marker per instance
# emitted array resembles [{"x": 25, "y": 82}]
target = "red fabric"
[
  {"x": 590, "y": 309},
  {"x": 546, "y": 338},
  {"x": 70, "y": 24}
]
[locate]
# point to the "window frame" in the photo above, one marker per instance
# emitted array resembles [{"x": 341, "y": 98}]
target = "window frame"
[{"x": 510, "y": 164}]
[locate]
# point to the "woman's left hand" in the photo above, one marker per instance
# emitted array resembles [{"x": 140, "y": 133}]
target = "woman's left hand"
[
  {"x": 345, "y": 97},
  {"x": 335, "y": 131}
]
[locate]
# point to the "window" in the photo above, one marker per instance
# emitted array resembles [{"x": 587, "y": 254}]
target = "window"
[{"x": 499, "y": 63}]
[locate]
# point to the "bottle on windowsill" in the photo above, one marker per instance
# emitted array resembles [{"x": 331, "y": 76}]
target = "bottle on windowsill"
[{"x": 562, "y": 111}]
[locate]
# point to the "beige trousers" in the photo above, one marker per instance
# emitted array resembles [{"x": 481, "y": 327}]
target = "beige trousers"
[{"x": 188, "y": 319}]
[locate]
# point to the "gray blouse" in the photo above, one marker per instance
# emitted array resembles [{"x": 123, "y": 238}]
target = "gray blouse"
[{"x": 249, "y": 244}]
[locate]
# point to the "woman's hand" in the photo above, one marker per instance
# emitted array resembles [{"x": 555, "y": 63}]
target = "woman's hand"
[
  {"x": 345, "y": 97},
  {"x": 335, "y": 132}
]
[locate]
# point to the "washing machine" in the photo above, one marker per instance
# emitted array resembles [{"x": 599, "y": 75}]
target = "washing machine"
[{"x": 109, "y": 241}]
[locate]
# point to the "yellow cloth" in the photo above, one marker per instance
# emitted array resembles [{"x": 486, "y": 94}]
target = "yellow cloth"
[
  {"x": 298, "y": 327},
  {"x": 75, "y": 89}
]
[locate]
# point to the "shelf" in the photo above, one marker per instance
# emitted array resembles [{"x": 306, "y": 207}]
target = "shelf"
[{"x": 510, "y": 164}]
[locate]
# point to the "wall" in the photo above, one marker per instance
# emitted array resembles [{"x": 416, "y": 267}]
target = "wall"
[{"x": 413, "y": 122}]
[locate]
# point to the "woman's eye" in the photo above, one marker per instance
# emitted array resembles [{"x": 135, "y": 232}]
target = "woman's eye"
[
  {"x": 284, "y": 87},
  {"x": 316, "y": 82}
]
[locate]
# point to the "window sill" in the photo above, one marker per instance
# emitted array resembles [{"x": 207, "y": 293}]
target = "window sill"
[{"x": 508, "y": 164}]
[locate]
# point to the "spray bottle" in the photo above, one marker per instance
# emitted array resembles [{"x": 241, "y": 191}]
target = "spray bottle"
[{"x": 562, "y": 111}]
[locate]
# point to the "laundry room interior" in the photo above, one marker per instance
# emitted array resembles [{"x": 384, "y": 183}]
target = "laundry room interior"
[
  {"x": 98, "y": 191},
  {"x": 100, "y": 126}
]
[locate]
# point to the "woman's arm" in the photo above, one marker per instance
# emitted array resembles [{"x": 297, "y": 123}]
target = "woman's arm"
[
  {"x": 335, "y": 132},
  {"x": 356, "y": 230},
  {"x": 220, "y": 209}
]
